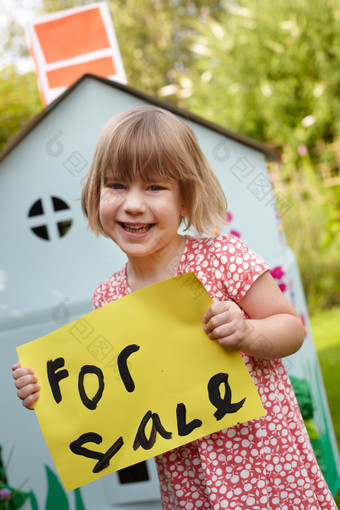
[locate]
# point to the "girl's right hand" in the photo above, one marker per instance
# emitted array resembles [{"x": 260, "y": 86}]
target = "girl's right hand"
[{"x": 27, "y": 384}]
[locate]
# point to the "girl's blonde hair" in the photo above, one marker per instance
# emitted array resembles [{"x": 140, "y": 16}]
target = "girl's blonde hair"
[{"x": 148, "y": 143}]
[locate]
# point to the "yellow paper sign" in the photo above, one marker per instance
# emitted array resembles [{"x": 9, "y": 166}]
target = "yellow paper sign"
[{"x": 134, "y": 379}]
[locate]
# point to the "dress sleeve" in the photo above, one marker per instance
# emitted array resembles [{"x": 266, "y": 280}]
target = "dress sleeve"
[
  {"x": 236, "y": 266},
  {"x": 112, "y": 289},
  {"x": 99, "y": 296}
]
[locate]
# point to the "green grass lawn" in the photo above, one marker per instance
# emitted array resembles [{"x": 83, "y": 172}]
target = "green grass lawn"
[{"x": 326, "y": 334}]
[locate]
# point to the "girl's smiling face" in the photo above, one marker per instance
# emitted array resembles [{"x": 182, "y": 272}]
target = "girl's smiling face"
[{"x": 142, "y": 218}]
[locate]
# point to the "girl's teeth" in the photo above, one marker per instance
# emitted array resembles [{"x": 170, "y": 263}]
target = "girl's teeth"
[{"x": 136, "y": 228}]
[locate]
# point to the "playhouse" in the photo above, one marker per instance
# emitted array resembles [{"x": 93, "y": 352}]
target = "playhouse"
[{"x": 50, "y": 264}]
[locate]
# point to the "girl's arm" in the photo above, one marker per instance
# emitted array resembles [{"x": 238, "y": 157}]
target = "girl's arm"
[
  {"x": 273, "y": 330},
  {"x": 27, "y": 384}
]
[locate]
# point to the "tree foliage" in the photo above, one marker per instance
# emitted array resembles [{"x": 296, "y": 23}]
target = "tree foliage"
[
  {"x": 19, "y": 101},
  {"x": 269, "y": 70}
]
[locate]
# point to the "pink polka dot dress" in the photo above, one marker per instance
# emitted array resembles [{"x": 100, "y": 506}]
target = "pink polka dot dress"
[{"x": 267, "y": 463}]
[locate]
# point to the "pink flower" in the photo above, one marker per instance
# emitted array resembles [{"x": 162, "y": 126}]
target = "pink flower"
[
  {"x": 229, "y": 216},
  {"x": 5, "y": 494},
  {"x": 277, "y": 272},
  {"x": 235, "y": 233},
  {"x": 302, "y": 150},
  {"x": 282, "y": 286}
]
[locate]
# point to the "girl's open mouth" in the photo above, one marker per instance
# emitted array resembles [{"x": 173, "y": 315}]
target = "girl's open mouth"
[{"x": 136, "y": 227}]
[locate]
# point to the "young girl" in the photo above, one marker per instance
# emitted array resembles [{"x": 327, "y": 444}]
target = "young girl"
[{"x": 148, "y": 175}]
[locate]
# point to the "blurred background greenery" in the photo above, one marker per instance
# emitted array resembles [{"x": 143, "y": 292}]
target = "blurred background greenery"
[{"x": 269, "y": 70}]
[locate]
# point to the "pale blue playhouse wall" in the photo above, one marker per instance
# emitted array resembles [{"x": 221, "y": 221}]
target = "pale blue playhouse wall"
[{"x": 46, "y": 283}]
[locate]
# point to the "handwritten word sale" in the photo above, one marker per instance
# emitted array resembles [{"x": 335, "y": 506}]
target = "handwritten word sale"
[{"x": 218, "y": 392}]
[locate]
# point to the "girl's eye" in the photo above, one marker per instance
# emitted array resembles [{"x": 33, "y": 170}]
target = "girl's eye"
[
  {"x": 116, "y": 185},
  {"x": 155, "y": 187}
]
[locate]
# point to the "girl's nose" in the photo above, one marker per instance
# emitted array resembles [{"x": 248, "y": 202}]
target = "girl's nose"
[{"x": 134, "y": 202}]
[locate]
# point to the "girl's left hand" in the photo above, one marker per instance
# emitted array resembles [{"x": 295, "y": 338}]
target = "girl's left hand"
[{"x": 225, "y": 322}]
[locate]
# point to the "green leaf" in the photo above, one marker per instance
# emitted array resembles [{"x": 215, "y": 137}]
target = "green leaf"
[
  {"x": 33, "y": 501},
  {"x": 56, "y": 497},
  {"x": 78, "y": 500}
]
